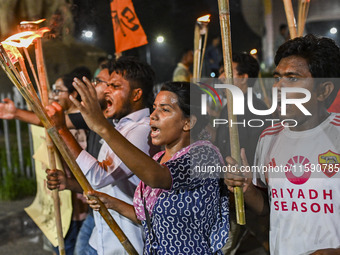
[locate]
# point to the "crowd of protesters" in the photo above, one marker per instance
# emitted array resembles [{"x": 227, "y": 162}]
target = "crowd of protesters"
[{"x": 142, "y": 150}]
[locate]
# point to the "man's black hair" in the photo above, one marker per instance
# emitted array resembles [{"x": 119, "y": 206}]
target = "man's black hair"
[
  {"x": 282, "y": 27},
  {"x": 101, "y": 59},
  {"x": 184, "y": 52},
  {"x": 137, "y": 73},
  {"x": 322, "y": 56},
  {"x": 247, "y": 64}
]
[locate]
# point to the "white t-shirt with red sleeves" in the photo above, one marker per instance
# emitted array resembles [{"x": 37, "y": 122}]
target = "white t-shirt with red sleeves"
[{"x": 301, "y": 171}]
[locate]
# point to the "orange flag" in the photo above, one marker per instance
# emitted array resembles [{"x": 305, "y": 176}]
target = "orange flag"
[{"x": 128, "y": 32}]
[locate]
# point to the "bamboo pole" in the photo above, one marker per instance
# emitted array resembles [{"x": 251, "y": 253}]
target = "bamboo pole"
[
  {"x": 197, "y": 51},
  {"x": 41, "y": 70},
  {"x": 290, "y": 18},
  {"x": 27, "y": 91},
  {"x": 203, "y": 51},
  {"x": 302, "y": 16},
  {"x": 33, "y": 70},
  {"x": 44, "y": 88},
  {"x": 223, "y": 6},
  {"x": 201, "y": 30}
]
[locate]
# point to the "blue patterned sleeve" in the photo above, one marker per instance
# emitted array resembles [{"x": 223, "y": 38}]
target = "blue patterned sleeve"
[{"x": 189, "y": 170}]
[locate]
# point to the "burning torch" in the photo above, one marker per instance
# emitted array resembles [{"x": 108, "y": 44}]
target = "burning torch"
[
  {"x": 13, "y": 64},
  {"x": 200, "y": 43}
]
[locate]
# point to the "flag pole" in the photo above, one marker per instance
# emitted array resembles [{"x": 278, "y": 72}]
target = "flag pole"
[{"x": 224, "y": 13}]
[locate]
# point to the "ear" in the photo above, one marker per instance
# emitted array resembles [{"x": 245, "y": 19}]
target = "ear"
[
  {"x": 244, "y": 78},
  {"x": 190, "y": 123},
  {"x": 324, "y": 90},
  {"x": 137, "y": 94}
]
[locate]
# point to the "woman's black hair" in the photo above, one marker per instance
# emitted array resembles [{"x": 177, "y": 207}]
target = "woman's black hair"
[
  {"x": 189, "y": 101},
  {"x": 79, "y": 73}
]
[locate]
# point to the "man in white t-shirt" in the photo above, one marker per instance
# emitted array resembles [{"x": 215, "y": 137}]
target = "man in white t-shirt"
[{"x": 297, "y": 175}]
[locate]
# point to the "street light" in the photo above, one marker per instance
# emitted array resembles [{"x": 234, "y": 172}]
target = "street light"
[
  {"x": 160, "y": 39},
  {"x": 87, "y": 34},
  {"x": 333, "y": 30}
]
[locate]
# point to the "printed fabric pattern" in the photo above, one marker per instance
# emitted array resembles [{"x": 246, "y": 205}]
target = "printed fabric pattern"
[{"x": 193, "y": 216}]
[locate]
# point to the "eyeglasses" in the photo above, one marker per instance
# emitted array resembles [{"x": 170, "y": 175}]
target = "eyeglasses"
[
  {"x": 96, "y": 81},
  {"x": 57, "y": 91}
]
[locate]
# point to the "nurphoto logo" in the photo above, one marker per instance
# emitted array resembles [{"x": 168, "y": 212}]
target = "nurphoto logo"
[{"x": 280, "y": 99}]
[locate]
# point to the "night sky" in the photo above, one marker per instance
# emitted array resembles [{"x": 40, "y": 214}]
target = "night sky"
[{"x": 173, "y": 19}]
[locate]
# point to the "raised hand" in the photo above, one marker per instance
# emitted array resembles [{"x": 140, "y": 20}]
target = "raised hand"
[
  {"x": 7, "y": 109},
  {"x": 56, "y": 113},
  {"x": 56, "y": 179},
  {"x": 89, "y": 106}
]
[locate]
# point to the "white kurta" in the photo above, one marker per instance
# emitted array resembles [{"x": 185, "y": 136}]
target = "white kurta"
[{"x": 111, "y": 176}]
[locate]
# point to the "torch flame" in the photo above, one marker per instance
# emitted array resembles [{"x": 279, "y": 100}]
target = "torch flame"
[
  {"x": 205, "y": 18},
  {"x": 24, "y": 39},
  {"x": 32, "y": 22},
  {"x": 12, "y": 52}
]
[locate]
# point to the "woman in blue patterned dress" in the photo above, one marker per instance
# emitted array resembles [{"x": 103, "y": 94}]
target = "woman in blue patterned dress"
[{"x": 182, "y": 210}]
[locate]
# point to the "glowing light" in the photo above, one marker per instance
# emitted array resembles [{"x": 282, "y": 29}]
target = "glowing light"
[
  {"x": 160, "y": 39},
  {"x": 212, "y": 75},
  {"x": 205, "y": 18},
  {"x": 87, "y": 34},
  {"x": 333, "y": 30},
  {"x": 253, "y": 52}
]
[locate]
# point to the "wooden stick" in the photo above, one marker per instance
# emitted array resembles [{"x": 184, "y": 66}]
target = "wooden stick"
[
  {"x": 201, "y": 29},
  {"x": 203, "y": 51},
  {"x": 197, "y": 51},
  {"x": 27, "y": 91},
  {"x": 306, "y": 14},
  {"x": 223, "y": 6},
  {"x": 33, "y": 70},
  {"x": 303, "y": 13},
  {"x": 290, "y": 18},
  {"x": 41, "y": 70},
  {"x": 300, "y": 13},
  {"x": 43, "y": 84}
]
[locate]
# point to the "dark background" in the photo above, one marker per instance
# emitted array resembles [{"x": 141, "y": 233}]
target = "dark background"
[{"x": 173, "y": 19}]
